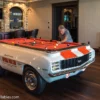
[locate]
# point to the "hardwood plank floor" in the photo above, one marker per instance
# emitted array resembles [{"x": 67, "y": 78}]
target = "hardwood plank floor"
[{"x": 85, "y": 87}]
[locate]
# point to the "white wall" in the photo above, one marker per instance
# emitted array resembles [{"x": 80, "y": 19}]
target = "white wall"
[
  {"x": 89, "y": 19},
  {"x": 89, "y": 22},
  {"x": 39, "y": 18},
  {"x": 41, "y": 15}
]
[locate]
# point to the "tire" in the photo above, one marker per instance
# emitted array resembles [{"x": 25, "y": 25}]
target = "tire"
[
  {"x": 33, "y": 82},
  {"x": 2, "y": 71}
]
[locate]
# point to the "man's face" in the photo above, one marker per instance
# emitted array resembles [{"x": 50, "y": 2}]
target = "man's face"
[{"x": 61, "y": 31}]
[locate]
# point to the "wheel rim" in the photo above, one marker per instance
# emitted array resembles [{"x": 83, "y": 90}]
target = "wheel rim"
[{"x": 30, "y": 80}]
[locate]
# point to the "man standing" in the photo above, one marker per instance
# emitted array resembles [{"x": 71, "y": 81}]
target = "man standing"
[{"x": 64, "y": 34}]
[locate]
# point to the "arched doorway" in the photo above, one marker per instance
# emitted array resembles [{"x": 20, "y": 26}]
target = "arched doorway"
[{"x": 16, "y": 18}]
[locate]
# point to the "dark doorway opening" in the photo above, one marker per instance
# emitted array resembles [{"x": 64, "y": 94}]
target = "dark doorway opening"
[{"x": 66, "y": 14}]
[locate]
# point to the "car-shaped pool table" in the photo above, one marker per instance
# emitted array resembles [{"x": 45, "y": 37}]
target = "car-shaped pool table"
[{"x": 43, "y": 61}]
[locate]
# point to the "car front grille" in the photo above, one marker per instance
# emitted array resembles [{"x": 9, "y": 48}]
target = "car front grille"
[{"x": 69, "y": 63}]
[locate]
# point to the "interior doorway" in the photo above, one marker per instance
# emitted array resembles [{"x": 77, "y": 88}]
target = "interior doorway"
[{"x": 66, "y": 14}]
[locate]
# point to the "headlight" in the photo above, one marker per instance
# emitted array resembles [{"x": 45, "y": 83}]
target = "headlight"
[
  {"x": 90, "y": 55},
  {"x": 55, "y": 66},
  {"x": 93, "y": 54}
]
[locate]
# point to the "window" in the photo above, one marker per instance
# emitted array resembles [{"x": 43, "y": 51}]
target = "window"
[{"x": 16, "y": 18}]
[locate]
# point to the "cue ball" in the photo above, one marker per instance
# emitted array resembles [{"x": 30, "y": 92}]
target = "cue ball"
[
  {"x": 34, "y": 42},
  {"x": 56, "y": 44}
]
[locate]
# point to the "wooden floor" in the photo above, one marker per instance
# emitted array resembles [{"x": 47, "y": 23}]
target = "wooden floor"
[{"x": 85, "y": 87}]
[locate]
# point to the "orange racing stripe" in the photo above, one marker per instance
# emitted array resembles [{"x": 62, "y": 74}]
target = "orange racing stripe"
[
  {"x": 68, "y": 54},
  {"x": 83, "y": 50}
]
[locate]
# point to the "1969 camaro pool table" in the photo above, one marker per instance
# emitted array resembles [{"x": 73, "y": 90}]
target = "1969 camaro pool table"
[{"x": 40, "y": 61}]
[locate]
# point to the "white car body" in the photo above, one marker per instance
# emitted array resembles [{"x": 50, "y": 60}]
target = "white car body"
[{"x": 15, "y": 58}]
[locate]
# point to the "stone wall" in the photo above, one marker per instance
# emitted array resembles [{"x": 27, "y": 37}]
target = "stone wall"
[{"x": 5, "y": 22}]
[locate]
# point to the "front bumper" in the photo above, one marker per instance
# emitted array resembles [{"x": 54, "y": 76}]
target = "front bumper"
[{"x": 72, "y": 72}]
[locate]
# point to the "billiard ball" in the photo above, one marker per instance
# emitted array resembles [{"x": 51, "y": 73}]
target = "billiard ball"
[
  {"x": 68, "y": 44},
  {"x": 55, "y": 47},
  {"x": 46, "y": 48},
  {"x": 34, "y": 42},
  {"x": 13, "y": 42},
  {"x": 57, "y": 44}
]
